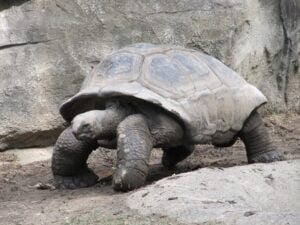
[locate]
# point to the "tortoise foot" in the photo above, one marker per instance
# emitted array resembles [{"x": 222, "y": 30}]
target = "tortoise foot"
[
  {"x": 266, "y": 157},
  {"x": 127, "y": 179},
  {"x": 84, "y": 179}
]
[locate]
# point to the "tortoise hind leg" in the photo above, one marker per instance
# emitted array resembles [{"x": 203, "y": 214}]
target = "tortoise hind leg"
[
  {"x": 257, "y": 141},
  {"x": 69, "y": 162},
  {"x": 174, "y": 155}
]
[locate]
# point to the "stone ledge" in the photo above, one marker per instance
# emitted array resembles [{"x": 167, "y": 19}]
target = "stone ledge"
[{"x": 250, "y": 194}]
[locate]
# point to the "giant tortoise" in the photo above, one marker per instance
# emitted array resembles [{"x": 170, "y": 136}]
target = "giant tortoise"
[{"x": 144, "y": 96}]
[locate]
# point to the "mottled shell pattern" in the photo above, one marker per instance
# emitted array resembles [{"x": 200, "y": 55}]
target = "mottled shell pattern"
[{"x": 210, "y": 99}]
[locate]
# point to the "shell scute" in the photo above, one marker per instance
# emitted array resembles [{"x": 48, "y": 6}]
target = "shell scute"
[{"x": 121, "y": 66}]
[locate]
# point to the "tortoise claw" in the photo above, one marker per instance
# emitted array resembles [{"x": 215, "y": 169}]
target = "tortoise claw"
[
  {"x": 127, "y": 179},
  {"x": 266, "y": 157}
]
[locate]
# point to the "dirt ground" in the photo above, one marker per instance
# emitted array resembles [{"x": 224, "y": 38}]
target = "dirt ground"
[{"x": 28, "y": 197}]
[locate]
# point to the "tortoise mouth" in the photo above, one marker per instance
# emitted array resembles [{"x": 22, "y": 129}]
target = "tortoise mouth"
[{"x": 84, "y": 137}]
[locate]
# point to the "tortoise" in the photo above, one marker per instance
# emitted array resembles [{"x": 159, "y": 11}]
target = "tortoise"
[{"x": 144, "y": 96}]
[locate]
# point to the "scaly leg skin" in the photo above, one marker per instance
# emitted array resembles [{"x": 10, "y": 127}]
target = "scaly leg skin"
[
  {"x": 174, "y": 155},
  {"x": 69, "y": 162},
  {"x": 134, "y": 147},
  {"x": 257, "y": 141}
]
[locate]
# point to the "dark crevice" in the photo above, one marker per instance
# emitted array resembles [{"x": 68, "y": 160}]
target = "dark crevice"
[
  {"x": 62, "y": 8},
  {"x": 172, "y": 12},
  {"x": 22, "y": 44},
  {"x": 6, "y": 4},
  {"x": 287, "y": 19},
  {"x": 282, "y": 77}
]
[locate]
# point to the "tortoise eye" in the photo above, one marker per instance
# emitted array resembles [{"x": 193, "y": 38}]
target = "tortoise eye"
[{"x": 85, "y": 125}]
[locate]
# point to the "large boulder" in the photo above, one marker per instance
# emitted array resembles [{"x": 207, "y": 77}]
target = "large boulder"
[
  {"x": 258, "y": 194},
  {"x": 48, "y": 47}
]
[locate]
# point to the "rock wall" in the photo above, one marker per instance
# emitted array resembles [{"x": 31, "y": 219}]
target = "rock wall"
[{"x": 48, "y": 47}]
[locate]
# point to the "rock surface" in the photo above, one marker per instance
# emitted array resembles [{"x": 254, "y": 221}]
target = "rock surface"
[
  {"x": 48, "y": 47},
  {"x": 31, "y": 155},
  {"x": 260, "y": 194}
]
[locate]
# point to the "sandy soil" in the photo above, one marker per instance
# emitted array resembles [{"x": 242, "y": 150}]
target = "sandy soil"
[{"x": 28, "y": 197}]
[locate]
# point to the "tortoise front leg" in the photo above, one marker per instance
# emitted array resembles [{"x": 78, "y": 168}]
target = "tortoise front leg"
[
  {"x": 134, "y": 147},
  {"x": 69, "y": 161},
  {"x": 257, "y": 141}
]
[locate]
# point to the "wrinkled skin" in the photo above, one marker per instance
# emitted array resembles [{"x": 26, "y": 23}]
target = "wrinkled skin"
[{"x": 134, "y": 132}]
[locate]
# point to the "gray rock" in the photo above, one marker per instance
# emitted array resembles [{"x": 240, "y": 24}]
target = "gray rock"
[
  {"x": 31, "y": 155},
  {"x": 260, "y": 194},
  {"x": 48, "y": 47}
]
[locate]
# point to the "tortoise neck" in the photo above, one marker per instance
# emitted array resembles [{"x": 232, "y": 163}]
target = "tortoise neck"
[{"x": 114, "y": 114}]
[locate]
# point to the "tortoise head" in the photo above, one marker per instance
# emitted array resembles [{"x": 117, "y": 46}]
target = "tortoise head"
[{"x": 87, "y": 125}]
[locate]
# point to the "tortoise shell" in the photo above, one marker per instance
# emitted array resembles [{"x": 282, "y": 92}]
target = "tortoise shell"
[{"x": 209, "y": 98}]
